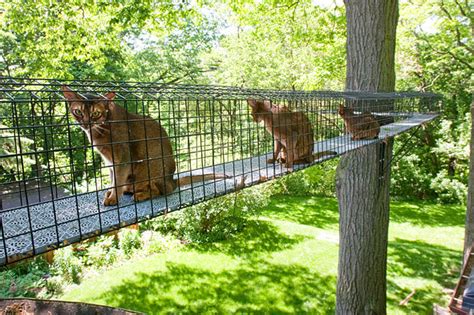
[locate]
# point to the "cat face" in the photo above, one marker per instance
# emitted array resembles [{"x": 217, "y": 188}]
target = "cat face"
[
  {"x": 344, "y": 110},
  {"x": 259, "y": 109},
  {"x": 90, "y": 111}
]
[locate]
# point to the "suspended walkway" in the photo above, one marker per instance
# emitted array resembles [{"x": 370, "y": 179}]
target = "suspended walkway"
[{"x": 53, "y": 183}]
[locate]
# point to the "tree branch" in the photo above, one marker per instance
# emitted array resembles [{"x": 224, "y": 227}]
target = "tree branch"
[
  {"x": 464, "y": 13},
  {"x": 443, "y": 52},
  {"x": 443, "y": 8},
  {"x": 456, "y": 28},
  {"x": 187, "y": 75}
]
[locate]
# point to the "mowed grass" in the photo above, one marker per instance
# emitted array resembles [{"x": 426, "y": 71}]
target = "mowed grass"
[{"x": 286, "y": 262}]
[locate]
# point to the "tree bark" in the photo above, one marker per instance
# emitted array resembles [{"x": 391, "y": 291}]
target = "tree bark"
[
  {"x": 371, "y": 30},
  {"x": 362, "y": 186},
  {"x": 363, "y": 176},
  {"x": 469, "y": 232}
]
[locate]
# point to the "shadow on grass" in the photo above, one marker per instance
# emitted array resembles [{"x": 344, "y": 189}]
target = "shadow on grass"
[
  {"x": 420, "y": 303},
  {"x": 258, "y": 238},
  {"x": 253, "y": 288},
  {"x": 417, "y": 259},
  {"x": 309, "y": 210},
  {"x": 422, "y": 260},
  {"x": 322, "y": 212},
  {"x": 427, "y": 214}
]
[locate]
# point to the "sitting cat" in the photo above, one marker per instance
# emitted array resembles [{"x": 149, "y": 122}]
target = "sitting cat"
[
  {"x": 292, "y": 132},
  {"x": 361, "y": 126},
  {"x": 136, "y": 148}
]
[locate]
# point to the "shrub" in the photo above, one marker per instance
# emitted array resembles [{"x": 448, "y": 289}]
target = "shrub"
[
  {"x": 449, "y": 190},
  {"x": 16, "y": 285},
  {"x": 164, "y": 224},
  {"x": 155, "y": 242},
  {"x": 222, "y": 217},
  {"x": 67, "y": 265},
  {"x": 316, "y": 180},
  {"x": 54, "y": 286},
  {"x": 102, "y": 252},
  {"x": 437, "y": 164},
  {"x": 129, "y": 241},
  {"x": 25, "y": 279}
]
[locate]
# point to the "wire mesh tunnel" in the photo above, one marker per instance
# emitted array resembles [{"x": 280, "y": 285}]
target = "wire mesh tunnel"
[{"x": 73, "y": 168}]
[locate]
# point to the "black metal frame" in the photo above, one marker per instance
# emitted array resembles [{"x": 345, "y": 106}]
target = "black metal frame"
[{"x": 51, "y": 165}]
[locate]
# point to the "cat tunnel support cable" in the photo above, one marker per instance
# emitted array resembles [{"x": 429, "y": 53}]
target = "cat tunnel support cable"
[
  {"x": 55, "y": 176},
  {"x": 399, "y": 154}
]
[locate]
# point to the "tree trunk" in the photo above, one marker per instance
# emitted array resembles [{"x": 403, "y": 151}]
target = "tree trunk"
[
  {"x": 363, "y": 176},
  {"x": 469, "y": 234},
  {"x": 371, "y": 30},
  {"x": 363, "y": 192}
]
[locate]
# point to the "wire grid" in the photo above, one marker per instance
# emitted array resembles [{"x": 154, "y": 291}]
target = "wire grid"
[{"x": 53, "y": 182}]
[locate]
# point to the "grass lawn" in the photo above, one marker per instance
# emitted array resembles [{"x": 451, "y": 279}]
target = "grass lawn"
[{"x": 286, "y": 262}]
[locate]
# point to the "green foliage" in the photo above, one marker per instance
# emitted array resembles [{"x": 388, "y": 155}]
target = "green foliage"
[
  {"x": 102, "y": 252},
  {"x": 219, "y": 218},
  {"x": 155, "y": 242},
  {"x": 67, "y": 265},
  {"x": 297, "y": 45},
  {"x": 435, "y": 167},
  {"x": 9, "y": 147},
  {"x": 129, "y": 241},
  {"x": 24, "y": 279},
  {"x": 286, "y": 262},
  {"x": 143, "y": 40},
  {"x": 435, "y": 54},
  {"x": 319, "y": 179}
]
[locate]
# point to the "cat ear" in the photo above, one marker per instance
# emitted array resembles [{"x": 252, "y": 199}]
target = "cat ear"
[
  {"x": 252, "y": 102},
  {"x": 110, "y": 96},
  {"x": 267, "y": 105},
  {"x": 70, "y": 95}
]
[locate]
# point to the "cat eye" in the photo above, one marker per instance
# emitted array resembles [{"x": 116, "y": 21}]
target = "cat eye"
[
  {"x": 77, "y": 112},
  {"x": 96, "y": 114}
]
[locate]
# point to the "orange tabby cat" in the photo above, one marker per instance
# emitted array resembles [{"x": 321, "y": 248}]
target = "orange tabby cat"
[
  {"x": 136, "y": 148},
  {"x": 361, "y": 126},
  {"x": 292, "y": 132}
]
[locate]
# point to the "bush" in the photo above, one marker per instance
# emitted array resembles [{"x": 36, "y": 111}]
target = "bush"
[
  {"x": 155, "y": 242},
  {"x": 54, "y": 286},
  {"x": 102, "y": 252},
  {"x": 437, "y": 165},
  {"x": 410, "y": 178},
  {"x": 25, "y": 279},
  {"x": 316, "y": 180},
  {"x": 129, "y": 241},
  {"x": 164, "y": 224},
  {"x": 220, "y": 218},
  {"x": 26, "y": 285},
  {"x": 449, "y": 190},
  {"x": 67, "y": 265}
]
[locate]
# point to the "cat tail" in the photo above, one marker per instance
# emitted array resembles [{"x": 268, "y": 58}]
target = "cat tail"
[
  {"x": 321, "y": 154},
  {"x": 187, "y": 180}
]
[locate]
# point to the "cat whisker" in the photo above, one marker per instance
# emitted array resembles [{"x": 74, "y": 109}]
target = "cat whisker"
[{"x": 100, "y": 130}]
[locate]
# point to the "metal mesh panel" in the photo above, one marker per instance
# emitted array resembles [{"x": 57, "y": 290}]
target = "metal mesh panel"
[{"x": 54, "y": 181}]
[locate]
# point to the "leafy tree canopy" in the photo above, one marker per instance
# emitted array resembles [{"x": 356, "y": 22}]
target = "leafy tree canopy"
[{"x": 103, "y": 39}]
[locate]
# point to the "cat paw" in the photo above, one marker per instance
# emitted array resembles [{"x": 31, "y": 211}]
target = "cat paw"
[
  {"x": 141, "y": 196},
  {"x": 108, "y": 193},
  {"x": 110, "y": 200}
]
